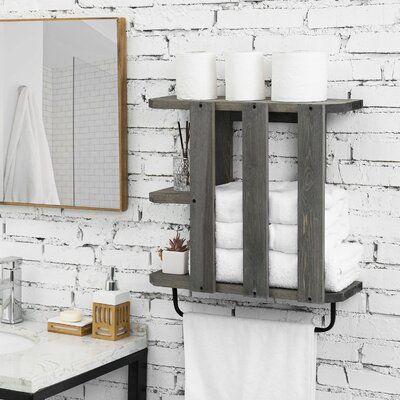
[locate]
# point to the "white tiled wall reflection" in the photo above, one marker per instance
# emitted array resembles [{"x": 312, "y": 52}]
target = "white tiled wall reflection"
[{"x": 80, "y": 113}]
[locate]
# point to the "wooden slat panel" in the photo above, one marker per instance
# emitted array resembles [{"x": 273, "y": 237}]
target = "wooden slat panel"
[
  {"x": 311, "y": 203},
  {"x": 290, "y": 118},
  {"x": 183, "y": 282},
  {"x": 223, "y": 147},
  {"x": 255, "y": 195},
  {"x": 202, "y": 209},
  {"x": 221, "y": 104}
]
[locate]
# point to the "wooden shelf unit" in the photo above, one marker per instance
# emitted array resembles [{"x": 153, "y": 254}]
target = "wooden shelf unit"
[{"x": 211, "y": 154}]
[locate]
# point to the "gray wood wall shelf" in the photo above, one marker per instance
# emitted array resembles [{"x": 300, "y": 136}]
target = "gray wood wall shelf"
[{"x": 211, "y": 164}]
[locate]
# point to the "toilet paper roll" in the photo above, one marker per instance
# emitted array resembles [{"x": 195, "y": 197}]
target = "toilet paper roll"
[
  {"x": 196, "y": 76},
  {"x": 245, "y": 76},
  {"x": 299, "y": 76}
]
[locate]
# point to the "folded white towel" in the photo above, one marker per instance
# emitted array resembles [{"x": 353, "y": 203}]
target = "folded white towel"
[
  {"x": 282, "y": 201},
  {"x": 231, "y": 358},
  {"x": 283, "y": 238},
  {"x": 341, "y": 267},
  {"x": 229, "y": 235}
]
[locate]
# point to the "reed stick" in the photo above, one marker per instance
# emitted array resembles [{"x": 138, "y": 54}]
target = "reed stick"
[{"x": 181, "y": 138}]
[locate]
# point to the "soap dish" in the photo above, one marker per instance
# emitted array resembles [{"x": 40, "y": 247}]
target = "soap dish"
[{"x": 82, "y": 328}]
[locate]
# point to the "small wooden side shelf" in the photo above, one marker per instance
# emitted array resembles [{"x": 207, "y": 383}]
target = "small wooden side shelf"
[
  {"x": 169, "y": 195},
  {"x": 211, "y": 159}
]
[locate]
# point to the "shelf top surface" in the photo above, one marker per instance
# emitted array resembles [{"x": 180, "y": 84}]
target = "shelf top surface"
[
  {"x": 221, "y": 104},
  {"x": 159, "y": 278}
]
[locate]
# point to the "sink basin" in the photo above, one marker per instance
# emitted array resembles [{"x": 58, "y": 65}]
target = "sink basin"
[{"x": 10, "y": 343}]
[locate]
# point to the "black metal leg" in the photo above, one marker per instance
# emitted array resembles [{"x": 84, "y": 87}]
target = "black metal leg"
[
  {"x": 137, "y": 379},
  {"x": 133, "y": 379},
  {"x": 142, "y": 384}
]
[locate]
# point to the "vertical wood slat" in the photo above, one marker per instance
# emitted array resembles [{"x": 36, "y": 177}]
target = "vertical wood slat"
[
  {"x": 311, "y": 202},
  {"x": 223, "y": 147},
  {"x": 202, "y": 209},
  {"x": 255, "y": 199}
]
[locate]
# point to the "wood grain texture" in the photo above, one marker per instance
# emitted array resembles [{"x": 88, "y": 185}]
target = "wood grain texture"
[
  {"x": 311, "y": 203},
  {"x": 170, "y": 196},
  {"x": 183, "y": 282},
  {"x": 221, "y": 104},
  {"x": 122, "y": 113},
  {"x": 223, "y": 148},
  {"x": 202, "y": 208},
  {"x": 255, "y": 195},
  {"x": 289, "y": 118}
]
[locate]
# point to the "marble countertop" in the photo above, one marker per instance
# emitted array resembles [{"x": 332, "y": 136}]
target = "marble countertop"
[{"x": 55, "y": 357}]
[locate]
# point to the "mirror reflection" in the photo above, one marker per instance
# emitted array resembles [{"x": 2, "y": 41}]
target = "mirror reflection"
[{"x": 60, "y": 135}]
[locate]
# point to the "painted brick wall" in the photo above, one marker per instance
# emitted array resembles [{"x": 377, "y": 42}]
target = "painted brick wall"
[{"x": 68, "y": 252}]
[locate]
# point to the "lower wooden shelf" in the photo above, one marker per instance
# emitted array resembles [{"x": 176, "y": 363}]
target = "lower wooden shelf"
[{"x": 183, "y": 282}]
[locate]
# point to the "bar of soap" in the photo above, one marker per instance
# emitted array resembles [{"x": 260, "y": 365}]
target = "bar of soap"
[{"x": 71, "y": 316}]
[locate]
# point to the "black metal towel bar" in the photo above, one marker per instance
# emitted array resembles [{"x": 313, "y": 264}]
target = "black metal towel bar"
[{"x": 317, "y": 330}]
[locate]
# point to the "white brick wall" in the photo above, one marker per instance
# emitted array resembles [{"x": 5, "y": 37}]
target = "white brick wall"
[{"x": 68, "y": 252}]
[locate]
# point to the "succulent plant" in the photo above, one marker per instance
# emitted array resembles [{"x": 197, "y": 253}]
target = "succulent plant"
[{"x": 177, "y": 244}]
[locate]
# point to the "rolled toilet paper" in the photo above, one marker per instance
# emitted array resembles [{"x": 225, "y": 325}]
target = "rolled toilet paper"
[
  {"x": 245, "y": 76},
  {"x": 196, "y": 76},
  {"x": 299, "y": 76}
]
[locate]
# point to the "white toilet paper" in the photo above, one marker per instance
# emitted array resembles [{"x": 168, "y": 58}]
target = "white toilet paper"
[
  {"x": 299, "y": 76},
  {"x": 245, "y": 76},
  {"x": 196, "y": 76}
]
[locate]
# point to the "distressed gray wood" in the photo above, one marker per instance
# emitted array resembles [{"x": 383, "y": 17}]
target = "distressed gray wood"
[
  {"x": 202, "y": 208},
  {"x": 170, "y": 196},
  {"x": 183, "y": 282},
  {"x": 255, "y": 195},
  {"x": 311, "y": 203},
  {"x": 223, "y": 147},
  {"x": 289, "y": 118},
  {"x": 221, "y": 104}
]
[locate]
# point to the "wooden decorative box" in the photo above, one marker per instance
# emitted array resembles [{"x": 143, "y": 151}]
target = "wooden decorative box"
[{"x": 111, "y": 322}]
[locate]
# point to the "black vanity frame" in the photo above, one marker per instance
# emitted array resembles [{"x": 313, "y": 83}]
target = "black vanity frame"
[{"x": 137, "y": 380}]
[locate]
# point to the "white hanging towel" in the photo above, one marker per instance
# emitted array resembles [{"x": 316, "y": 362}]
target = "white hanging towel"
[
  {"x": 230, "y": 358},
  {"x": 29, "y": 175}
]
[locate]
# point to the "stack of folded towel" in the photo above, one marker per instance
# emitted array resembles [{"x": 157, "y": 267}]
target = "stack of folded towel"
[{"x": 341, "y": 259}]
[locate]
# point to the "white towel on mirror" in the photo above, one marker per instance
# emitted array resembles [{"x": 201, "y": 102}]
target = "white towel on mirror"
[
  {"x": 29, "y": 175},
  {"x": 231, "y": 358},
  {"x": 282, "y": 201},
  {"x": 341, "y": 267},
  {"x": 229, "y": 235}
]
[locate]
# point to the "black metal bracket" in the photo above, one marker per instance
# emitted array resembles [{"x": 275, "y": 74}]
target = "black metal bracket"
[
  {"x": 316, "y": 330},
  {"x": 331, "y": 323},
  {"x": 175, "y": 299}
]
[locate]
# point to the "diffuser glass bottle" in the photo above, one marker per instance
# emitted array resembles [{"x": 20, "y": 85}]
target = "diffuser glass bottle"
[{"x": 181, "y": 166}]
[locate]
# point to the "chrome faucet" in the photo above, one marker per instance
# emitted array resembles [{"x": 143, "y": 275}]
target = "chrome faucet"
[{"x": 10, "y": 287}]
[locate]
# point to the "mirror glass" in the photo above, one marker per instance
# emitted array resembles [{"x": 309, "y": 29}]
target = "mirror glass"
[{"x": 60, "y": 126}]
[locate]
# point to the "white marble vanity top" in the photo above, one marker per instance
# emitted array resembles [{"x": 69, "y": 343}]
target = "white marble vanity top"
[{"x": 55, "y": 357}]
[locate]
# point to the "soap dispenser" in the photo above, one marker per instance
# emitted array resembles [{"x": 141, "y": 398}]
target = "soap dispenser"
[{"x": 111, "y": 311}]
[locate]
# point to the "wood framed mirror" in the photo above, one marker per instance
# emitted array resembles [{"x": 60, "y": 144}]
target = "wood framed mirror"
[{"x": 63, "y": 135}]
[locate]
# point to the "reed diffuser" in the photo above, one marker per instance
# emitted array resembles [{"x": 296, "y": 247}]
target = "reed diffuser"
[{"x": 181, "y": 163}]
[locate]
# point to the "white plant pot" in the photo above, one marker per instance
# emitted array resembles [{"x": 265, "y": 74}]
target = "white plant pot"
[{"x": 175, "y": 262}]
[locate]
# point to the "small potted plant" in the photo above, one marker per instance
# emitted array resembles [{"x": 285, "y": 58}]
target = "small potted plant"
[{"x": 175, "y": 257}]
